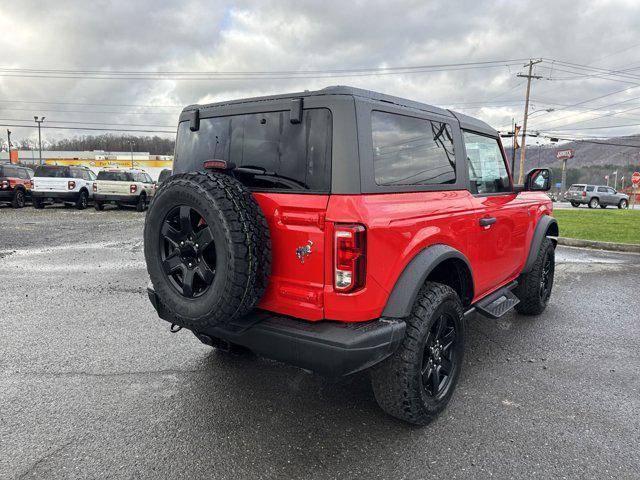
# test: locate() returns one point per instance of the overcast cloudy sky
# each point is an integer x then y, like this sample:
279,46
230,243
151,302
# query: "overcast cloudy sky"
294,35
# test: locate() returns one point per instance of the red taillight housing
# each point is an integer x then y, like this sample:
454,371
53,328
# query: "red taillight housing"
584,194
71,185
133,188
5,184
350,257
95,187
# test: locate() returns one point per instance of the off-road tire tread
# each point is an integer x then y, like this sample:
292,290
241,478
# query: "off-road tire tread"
528,287
396,384
14,200
79,205
246,226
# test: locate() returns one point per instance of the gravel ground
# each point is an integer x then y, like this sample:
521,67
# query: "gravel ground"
93,385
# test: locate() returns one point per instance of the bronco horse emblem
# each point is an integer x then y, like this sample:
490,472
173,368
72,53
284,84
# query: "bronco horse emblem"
304,251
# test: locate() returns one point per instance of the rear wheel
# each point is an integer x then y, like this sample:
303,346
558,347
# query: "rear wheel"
575,204
99,206
142,202
623,204
594,203
416,383
83,200
19,199
38,203
534,287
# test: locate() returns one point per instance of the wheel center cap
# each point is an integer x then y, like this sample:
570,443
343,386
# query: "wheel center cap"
188,252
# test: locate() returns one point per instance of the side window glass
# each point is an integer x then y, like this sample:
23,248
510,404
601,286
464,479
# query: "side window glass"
411,151
612,191
487,170
602,189
589,189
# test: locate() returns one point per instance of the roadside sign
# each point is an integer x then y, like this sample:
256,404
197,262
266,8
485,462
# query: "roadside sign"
564,154
635,179
558,184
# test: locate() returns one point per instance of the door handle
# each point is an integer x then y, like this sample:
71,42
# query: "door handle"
485,222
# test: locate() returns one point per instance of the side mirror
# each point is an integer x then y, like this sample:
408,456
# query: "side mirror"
538,180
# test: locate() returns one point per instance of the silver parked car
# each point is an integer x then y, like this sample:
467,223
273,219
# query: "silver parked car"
596,196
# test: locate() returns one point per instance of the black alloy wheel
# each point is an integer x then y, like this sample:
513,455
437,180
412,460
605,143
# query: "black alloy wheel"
546,277
188,255
439,357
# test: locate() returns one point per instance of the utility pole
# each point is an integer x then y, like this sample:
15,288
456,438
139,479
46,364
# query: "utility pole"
39,122
529,76
131,150
9,142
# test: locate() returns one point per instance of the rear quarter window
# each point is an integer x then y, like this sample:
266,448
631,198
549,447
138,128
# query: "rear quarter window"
292,156
411,151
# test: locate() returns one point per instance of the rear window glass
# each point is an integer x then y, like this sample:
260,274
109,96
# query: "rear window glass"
590,189
52,171
411,151
115,176
577,188
287,156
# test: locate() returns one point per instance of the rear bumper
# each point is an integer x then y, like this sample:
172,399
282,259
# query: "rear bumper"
334,349
56,196
105,198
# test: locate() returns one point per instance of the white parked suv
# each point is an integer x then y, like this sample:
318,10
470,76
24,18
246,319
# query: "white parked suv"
62,184
123,187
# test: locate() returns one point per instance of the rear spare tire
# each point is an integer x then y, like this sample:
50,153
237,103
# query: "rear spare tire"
207,248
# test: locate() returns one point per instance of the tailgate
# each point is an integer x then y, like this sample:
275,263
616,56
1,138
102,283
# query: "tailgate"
50,184
110,187
297,227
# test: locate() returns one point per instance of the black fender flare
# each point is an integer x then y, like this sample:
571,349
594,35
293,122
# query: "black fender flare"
414,275
547,226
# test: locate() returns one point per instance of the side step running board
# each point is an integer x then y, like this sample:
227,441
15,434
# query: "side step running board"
498,303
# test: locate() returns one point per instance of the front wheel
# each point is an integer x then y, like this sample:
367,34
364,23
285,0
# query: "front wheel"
534,287
416,383
624,204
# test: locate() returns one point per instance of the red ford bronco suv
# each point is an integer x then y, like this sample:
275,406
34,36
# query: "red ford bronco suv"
343,230
15,184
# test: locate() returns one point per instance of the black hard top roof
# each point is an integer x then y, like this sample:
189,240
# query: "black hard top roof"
465,120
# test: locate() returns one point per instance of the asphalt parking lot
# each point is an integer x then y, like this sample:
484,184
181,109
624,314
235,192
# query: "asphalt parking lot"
93,385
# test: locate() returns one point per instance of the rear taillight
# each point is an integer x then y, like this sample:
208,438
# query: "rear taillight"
95,187
31,184
133,188
5,184
584,194
71,184
350,257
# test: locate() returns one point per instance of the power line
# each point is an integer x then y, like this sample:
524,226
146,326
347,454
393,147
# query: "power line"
90,128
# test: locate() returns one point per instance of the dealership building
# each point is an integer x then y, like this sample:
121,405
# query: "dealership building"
96,160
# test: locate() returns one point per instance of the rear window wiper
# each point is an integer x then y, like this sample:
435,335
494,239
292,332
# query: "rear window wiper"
258,171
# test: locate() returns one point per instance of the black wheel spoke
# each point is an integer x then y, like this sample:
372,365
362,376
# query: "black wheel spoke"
446,366
204,238
448,339
205,273
172,263
185,220
171,233
439,327
426,374
435,381
187,282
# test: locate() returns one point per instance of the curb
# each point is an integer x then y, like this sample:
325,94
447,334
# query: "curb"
613,247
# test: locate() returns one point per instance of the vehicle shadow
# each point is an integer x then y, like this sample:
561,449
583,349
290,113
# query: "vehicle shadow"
294,419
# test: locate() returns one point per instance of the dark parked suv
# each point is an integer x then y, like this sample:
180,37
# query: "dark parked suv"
15,184
342,230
